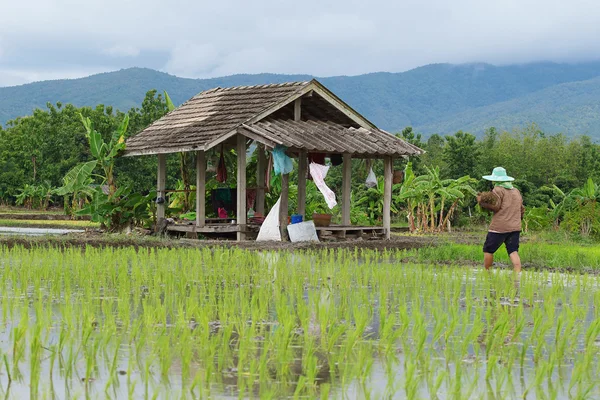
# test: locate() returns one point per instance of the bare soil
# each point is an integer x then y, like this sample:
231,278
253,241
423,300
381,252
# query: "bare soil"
96,239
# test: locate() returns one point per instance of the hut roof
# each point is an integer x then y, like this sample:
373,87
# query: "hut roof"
265,113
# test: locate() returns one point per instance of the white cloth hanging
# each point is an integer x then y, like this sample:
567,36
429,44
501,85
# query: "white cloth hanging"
318,173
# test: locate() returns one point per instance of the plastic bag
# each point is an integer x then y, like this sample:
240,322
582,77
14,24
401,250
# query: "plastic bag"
282,163
371,179
269,230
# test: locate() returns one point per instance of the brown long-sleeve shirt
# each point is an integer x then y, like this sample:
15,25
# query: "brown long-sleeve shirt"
508,210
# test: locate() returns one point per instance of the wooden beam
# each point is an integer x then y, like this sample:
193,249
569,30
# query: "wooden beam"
161,181
343,107
298,109
302,170
346,188
218,228
254,134
241,185
283,206
387,196
261,169
200,188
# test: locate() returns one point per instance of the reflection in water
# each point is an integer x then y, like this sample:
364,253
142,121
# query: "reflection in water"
123,324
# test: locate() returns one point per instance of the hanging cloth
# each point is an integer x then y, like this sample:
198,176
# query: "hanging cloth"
250,198
336,159
318,173
268,173
282,163
221,169
318,158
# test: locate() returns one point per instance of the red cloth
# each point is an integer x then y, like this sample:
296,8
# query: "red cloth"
268,173
250,198
318,158
221,169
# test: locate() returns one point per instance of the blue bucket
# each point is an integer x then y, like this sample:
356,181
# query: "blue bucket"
296,218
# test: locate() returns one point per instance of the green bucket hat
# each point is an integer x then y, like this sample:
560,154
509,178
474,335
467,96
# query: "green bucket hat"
499,175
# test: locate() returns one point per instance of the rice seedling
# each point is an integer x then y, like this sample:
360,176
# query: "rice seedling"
173,323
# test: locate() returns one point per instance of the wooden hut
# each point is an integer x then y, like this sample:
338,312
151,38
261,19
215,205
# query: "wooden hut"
304,117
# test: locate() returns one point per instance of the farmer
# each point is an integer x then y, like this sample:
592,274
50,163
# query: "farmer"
506,221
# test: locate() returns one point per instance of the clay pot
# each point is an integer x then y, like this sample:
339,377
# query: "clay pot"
398,176
321,219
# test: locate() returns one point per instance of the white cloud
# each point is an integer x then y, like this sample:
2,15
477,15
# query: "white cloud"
14,77
191,59
120,50
200,38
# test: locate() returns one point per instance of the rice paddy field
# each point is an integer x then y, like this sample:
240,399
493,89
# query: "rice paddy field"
231,323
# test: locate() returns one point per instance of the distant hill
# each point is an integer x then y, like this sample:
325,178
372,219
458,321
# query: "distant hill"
437,98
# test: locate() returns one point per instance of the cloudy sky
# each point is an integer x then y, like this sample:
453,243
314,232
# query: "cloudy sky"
51,39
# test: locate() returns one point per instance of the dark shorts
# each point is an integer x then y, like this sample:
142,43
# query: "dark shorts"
493,241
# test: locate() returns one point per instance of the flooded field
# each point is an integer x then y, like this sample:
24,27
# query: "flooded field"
27,231
182,323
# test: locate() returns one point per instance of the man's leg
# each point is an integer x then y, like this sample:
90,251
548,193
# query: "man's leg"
516,261
488,260
493,241
512,247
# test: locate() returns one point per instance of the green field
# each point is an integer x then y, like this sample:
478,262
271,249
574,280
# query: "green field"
37,223
189,323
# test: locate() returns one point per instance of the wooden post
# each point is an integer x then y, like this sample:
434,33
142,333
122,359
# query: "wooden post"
346,189
161,181
241,187
387,196
302,164
297,109
283,206
301,181
260,180
200,188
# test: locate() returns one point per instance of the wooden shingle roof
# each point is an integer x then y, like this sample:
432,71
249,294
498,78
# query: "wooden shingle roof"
265,113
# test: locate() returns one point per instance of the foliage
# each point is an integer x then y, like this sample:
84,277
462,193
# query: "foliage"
461,154
77,185
372,203
121,209
35,196
430,200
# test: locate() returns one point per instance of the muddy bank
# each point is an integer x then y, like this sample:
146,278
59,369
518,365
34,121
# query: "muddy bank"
94,239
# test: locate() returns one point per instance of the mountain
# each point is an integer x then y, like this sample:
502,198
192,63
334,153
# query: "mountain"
572,108
437,98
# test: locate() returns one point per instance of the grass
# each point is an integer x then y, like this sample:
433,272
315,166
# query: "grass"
198,323
21,210
74,224
534,255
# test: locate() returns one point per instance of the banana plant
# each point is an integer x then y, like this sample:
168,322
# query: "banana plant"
455,191
373,201
77,184
105,153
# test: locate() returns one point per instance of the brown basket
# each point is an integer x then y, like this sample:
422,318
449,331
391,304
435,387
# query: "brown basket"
321,219
398,177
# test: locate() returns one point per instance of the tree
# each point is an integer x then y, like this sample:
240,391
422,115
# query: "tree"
462,154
